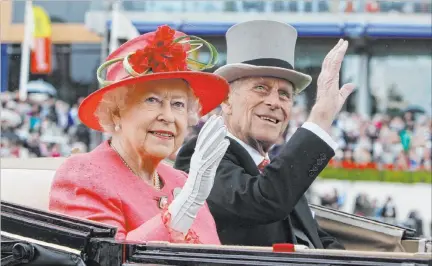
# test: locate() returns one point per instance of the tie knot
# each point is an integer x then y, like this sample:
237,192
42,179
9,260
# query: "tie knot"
263,164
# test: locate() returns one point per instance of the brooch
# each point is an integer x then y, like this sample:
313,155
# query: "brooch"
163,202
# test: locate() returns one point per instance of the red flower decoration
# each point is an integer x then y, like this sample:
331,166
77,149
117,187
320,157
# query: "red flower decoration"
162,54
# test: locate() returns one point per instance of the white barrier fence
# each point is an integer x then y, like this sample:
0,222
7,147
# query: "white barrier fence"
406,197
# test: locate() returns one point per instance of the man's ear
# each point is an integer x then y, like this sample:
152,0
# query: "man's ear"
226,107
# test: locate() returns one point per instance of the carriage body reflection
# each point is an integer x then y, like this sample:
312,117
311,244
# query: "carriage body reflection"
31,234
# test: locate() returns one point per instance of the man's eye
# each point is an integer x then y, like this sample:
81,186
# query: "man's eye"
179,104
284,94
260,87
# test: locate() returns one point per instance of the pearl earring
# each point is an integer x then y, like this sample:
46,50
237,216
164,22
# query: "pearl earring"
117,128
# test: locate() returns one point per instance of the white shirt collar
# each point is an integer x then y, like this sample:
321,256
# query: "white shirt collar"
256,156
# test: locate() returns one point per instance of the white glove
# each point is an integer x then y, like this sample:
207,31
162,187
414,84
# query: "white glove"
210,148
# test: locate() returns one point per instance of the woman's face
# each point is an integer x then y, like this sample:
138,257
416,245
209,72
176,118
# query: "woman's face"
155,120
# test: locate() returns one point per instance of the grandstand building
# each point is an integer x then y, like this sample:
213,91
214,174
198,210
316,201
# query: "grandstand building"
389,55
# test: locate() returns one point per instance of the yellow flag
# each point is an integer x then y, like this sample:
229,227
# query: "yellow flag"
41,57
42,23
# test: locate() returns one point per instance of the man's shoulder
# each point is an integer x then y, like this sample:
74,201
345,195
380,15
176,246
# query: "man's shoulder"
182,162
184,155
188,148
236,151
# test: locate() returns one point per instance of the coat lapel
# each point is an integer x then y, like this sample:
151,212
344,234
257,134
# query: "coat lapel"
304,216
246,161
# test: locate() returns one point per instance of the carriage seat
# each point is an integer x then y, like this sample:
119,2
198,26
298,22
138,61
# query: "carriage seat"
27,182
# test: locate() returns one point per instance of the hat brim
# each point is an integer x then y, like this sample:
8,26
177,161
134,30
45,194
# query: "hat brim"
232,72
211,90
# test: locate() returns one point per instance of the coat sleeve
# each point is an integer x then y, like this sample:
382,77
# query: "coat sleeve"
78,191
240,198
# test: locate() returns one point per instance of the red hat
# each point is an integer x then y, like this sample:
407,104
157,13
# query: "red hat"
162,54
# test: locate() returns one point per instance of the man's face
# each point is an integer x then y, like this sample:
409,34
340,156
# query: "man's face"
258,110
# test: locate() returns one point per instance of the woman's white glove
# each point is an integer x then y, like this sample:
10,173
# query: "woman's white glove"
210,148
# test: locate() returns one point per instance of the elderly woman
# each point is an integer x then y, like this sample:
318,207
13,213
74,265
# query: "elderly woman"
148,104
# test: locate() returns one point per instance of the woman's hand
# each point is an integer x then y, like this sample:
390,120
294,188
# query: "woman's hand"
209,150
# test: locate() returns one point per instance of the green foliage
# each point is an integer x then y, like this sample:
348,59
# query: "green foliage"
376,175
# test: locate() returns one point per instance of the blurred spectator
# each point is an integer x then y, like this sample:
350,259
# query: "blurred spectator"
388,211
415,222
362,205
334,201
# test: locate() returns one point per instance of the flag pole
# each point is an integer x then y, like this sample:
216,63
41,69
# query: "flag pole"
97,137
114,42
114,9
104,43
25,50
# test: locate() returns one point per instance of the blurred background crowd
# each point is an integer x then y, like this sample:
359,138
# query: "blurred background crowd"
369,206
40,128
401,142
347,6
49,127
386,124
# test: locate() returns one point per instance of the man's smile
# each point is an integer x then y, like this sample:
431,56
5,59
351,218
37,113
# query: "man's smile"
268,118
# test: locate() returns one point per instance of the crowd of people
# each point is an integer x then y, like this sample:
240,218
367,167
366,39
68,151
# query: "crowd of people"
40,126
400,142
364,205
308,6
50,128
367,206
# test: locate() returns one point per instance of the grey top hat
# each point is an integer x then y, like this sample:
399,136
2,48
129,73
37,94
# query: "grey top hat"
262,48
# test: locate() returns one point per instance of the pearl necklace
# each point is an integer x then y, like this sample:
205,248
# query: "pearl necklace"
155,178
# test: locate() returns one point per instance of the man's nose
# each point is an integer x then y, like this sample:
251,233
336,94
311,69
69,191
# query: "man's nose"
273,100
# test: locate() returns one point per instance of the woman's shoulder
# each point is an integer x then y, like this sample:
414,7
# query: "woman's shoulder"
83,164
83,175
88,158
76,160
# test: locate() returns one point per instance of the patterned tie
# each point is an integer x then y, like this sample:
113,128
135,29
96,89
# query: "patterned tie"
263,164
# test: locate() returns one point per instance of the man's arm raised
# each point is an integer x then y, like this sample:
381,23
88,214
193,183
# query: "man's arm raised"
240,198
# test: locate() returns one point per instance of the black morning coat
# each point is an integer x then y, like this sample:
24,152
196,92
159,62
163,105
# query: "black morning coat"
256,209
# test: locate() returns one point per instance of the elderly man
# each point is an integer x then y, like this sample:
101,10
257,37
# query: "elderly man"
254,201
